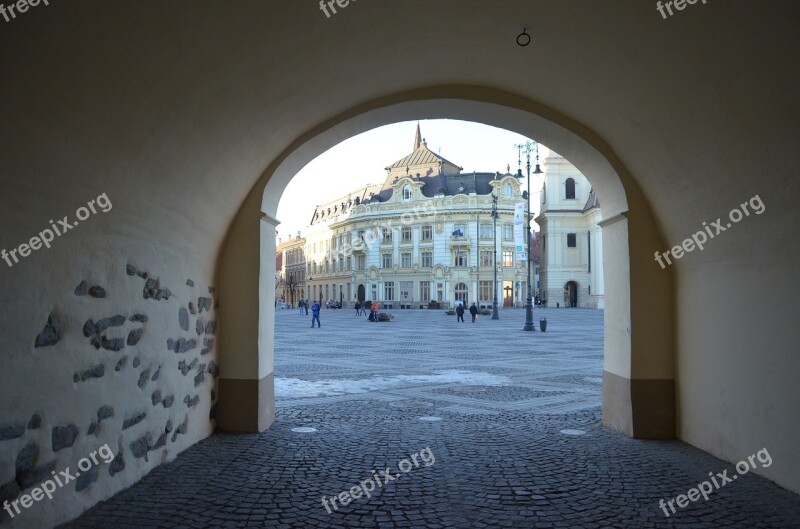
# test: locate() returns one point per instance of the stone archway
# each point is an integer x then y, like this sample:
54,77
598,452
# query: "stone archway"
638,379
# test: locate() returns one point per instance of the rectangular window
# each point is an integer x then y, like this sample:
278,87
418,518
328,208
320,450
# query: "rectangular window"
387,235
486,291
405,259
386,260
361,262
424,290
427,233
406,234
388,291
460,258
508,231
440,292
486,231
406,288
427,259
487,257
508,257
460,230
572,240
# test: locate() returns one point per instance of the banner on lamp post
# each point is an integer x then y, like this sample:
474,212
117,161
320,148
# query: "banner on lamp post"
519,231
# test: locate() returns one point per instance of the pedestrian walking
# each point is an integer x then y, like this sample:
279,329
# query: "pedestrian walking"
302,305
473,310
460,313
315,315
358,308
375,308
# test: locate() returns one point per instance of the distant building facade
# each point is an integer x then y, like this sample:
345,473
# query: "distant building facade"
290,262
571,267
426,234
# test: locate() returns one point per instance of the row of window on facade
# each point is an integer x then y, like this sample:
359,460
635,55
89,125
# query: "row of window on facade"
405,291
460,258
486,231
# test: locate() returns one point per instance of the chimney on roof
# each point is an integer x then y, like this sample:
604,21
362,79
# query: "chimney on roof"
298,234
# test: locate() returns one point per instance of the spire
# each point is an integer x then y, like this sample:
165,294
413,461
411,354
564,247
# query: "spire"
417,138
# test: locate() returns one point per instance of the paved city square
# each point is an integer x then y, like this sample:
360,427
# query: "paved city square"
478,425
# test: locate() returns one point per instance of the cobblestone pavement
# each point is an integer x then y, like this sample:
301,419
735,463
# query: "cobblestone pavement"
491,404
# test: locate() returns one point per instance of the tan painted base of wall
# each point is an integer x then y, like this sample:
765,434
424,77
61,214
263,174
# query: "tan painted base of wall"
639,408
246,405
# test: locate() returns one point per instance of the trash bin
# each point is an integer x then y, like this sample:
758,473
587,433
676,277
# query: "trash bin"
543,324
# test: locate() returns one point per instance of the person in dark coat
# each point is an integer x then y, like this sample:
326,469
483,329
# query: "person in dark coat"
473,310
460,312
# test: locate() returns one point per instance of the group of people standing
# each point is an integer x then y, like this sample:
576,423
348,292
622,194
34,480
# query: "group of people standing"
374,308
303,304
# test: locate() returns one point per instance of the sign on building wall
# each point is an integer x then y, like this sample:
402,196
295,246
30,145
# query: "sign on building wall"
519,230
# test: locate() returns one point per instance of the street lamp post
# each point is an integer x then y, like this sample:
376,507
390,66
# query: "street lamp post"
529,326
495,315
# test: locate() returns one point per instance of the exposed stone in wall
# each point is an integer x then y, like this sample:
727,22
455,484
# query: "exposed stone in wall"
189,283
208,344
86,478
97,292
136,361
64,436
203,304
141,446
155,398
11,432
156,374
201,375
92,428
32,477
94,372
181,429
26,459
184,368
183,318
113,344
143,377
211,327
134,336
191,402
214,370
161,441
130,270
136,419
117,464
35,422
168,401
152,290
104,412
139,318
81,289
51,333
191,308
211,290
122,363
199,327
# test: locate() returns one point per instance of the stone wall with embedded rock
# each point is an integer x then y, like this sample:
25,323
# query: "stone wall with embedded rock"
124,358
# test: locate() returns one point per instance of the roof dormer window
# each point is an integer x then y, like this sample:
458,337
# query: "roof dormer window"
406,193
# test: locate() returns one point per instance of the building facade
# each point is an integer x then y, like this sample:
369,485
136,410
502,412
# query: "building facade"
426,234
571,267
290,261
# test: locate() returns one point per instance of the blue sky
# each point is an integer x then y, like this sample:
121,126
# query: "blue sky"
362,159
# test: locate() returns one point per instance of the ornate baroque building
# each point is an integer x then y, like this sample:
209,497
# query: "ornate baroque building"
571,268
425,234
290,264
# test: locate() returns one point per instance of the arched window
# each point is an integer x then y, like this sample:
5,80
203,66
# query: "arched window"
570,188
407,193
508,191
461,292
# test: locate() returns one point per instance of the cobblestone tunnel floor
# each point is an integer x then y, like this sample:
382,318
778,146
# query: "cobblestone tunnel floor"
478,425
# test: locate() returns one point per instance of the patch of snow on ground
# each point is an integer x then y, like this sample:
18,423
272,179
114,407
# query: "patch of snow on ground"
296,388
